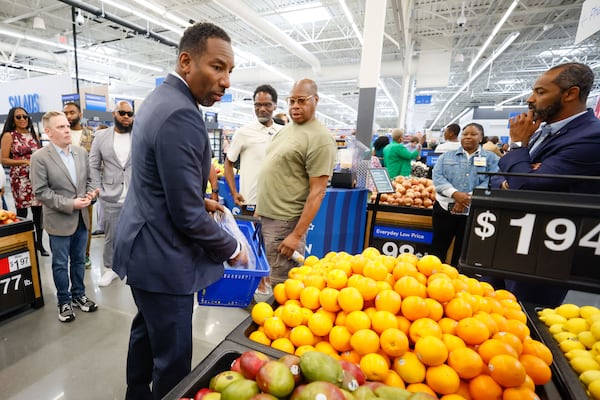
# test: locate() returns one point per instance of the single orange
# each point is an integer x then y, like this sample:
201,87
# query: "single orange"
394,380
339,337
325,347
329,299
448,325
350,299
410,286
260,312
301,335
511,313
438,275
500,321
357,320
519,393
452,342
518,328
488,289
389,262
284,345
311,260
351,356
502,294
538,349
436,310
424,327
493,347
345,265
507,370
293,287
374,366
429,264
414,307
329,314
408,257
292,315
510,338
309,297
463,390
259,337
442,379
483,387
431,350
336,278
536,369
279,293
409,367
403,268
388,300
357,263
460,285
474,286
320,324
375,270
367,287
488,320
304,349
382,320
449,270
420,387
371,252
466,362
274,328
393,342
472,331
441,290
403,323
458,309
365,341
495,305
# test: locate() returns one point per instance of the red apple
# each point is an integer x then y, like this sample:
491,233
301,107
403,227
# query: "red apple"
251,361
235,365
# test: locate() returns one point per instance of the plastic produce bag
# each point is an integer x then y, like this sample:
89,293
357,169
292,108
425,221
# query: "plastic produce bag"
228,223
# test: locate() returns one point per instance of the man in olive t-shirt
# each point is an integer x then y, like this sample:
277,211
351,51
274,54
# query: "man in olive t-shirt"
293,179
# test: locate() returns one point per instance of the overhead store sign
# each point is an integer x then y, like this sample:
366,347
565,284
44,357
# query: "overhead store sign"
95,102
39,94
589,21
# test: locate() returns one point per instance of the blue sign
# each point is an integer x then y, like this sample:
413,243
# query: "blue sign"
70,98
95,102
227,98
30,102
402,234
424,99
159,80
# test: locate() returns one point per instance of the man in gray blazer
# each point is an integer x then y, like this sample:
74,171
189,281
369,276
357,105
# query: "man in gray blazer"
61,181
110,168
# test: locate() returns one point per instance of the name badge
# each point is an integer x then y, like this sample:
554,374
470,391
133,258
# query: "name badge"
479,161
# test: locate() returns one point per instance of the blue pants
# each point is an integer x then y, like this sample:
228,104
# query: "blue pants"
68,263
160,344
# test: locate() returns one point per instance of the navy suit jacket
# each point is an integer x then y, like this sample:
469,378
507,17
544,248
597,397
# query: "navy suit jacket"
165,241
573,150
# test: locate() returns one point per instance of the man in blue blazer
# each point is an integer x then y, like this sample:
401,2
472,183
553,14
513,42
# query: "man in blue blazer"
557,136
167,243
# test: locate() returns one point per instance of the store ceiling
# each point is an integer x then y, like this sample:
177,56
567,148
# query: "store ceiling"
115,47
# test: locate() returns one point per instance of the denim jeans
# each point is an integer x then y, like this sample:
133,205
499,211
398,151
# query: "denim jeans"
68,263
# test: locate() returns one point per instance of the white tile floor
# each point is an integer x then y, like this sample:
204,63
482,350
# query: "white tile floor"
42,358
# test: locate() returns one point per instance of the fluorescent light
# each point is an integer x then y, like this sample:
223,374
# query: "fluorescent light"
459,116
494,32
302,15
513,98
489,61
144,16
389,96
350,19
252,58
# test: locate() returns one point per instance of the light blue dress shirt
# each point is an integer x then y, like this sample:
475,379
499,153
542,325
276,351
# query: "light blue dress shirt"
69,162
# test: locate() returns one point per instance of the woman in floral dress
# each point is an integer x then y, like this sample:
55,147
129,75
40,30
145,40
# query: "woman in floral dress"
19,141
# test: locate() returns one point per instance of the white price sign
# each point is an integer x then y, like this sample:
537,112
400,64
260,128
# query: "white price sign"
19,261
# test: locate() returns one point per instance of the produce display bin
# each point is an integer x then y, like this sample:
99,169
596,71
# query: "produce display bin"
237,287
241,332
219,360
564,378
20,283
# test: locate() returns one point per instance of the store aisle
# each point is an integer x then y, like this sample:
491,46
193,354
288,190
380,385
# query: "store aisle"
42,358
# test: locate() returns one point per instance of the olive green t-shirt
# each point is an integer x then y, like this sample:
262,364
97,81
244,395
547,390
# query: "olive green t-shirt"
297,153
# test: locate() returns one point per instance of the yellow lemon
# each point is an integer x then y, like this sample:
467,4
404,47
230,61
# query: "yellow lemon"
587,338
556,328
578,353
568,345
587,311
568,311
588,377
560,336
582,364
576,325
552,319
594,389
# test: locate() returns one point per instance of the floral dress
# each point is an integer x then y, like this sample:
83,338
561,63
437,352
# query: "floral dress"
22,147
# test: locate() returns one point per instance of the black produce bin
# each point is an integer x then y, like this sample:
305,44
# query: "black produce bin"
564,378
218,360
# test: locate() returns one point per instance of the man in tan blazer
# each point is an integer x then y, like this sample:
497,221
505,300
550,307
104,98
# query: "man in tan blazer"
61,181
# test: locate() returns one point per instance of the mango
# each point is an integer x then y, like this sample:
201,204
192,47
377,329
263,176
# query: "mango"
316,366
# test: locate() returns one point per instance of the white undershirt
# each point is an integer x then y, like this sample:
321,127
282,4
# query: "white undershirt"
76,137
122,147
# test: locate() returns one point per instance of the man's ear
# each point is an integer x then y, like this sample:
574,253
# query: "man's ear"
571,94
184,61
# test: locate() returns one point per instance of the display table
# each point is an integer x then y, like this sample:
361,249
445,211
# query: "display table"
19,272
339,224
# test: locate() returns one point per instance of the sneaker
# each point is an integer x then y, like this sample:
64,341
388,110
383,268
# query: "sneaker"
98,233
107,278
85,304
65,313
88,262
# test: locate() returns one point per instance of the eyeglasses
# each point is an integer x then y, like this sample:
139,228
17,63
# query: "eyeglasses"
22,116
265,105
300,100
122,113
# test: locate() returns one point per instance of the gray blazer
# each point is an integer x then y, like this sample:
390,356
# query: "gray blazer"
53,186
107,172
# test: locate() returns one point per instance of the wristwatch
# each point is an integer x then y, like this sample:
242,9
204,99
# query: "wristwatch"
215,190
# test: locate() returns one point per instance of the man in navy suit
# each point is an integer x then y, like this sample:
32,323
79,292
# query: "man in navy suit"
557,136
167,243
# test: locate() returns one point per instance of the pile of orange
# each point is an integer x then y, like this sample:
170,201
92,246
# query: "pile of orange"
412,323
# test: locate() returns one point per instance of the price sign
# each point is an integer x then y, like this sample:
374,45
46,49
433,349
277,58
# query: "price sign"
547,236
395,240
381,180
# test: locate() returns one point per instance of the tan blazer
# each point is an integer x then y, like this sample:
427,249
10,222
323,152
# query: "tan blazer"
53,186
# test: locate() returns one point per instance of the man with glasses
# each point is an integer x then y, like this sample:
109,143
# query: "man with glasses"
83,137
293,179
249,144
560,136
110,168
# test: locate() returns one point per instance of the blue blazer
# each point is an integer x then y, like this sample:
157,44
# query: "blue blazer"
165,241
573,150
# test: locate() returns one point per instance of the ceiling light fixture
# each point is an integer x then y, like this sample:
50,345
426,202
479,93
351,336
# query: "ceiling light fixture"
513,98
351,21
144,16
495,55
459,116
493,34
305,14
39,23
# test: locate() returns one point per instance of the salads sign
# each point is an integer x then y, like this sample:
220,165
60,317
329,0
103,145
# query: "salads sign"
30,102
